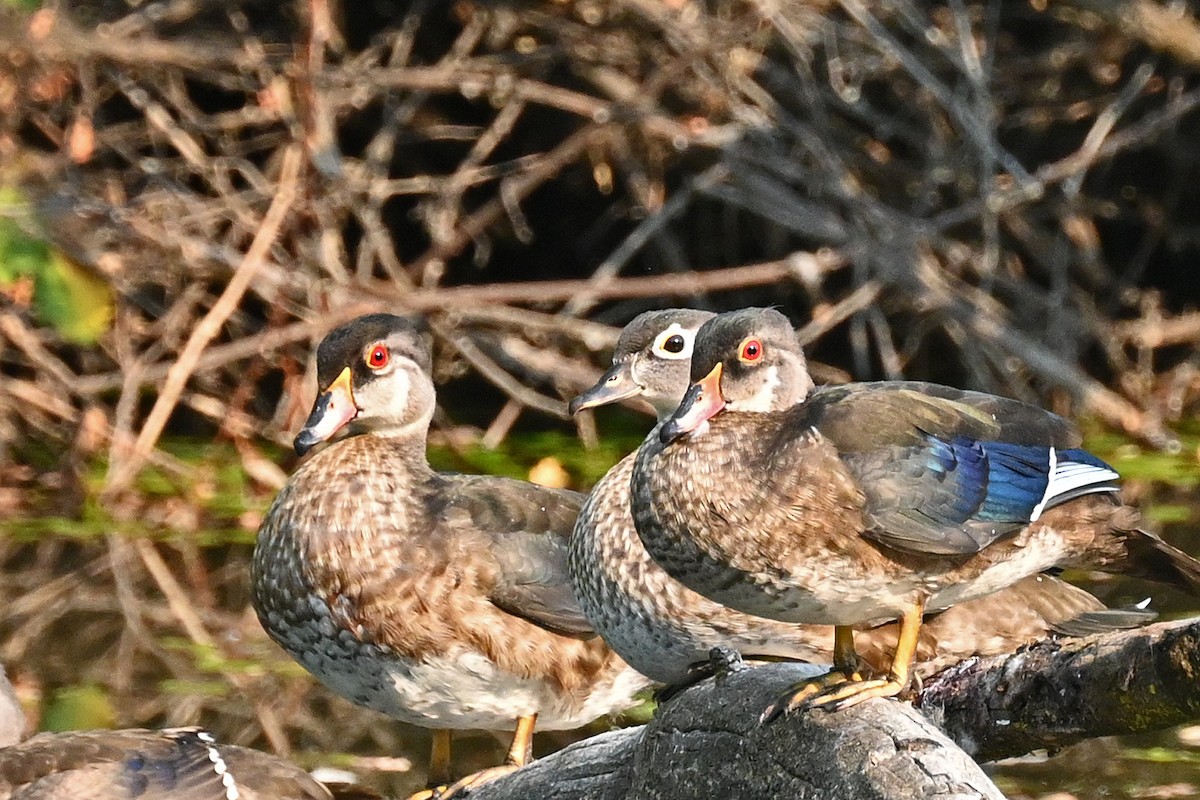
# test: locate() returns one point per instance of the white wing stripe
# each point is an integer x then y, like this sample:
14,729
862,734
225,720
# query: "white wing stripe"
1072,476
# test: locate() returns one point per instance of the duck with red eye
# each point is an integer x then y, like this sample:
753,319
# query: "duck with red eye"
439,599
765,384
855,504
360,384
666,631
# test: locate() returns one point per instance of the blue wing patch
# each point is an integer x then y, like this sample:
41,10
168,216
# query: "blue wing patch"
957,495
1025,480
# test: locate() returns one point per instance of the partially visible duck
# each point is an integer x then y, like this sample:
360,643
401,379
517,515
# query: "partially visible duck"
860,503
438,599
172,764
663,629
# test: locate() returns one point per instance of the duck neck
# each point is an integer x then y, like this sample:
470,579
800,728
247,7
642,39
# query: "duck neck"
409,448
663,408
408,438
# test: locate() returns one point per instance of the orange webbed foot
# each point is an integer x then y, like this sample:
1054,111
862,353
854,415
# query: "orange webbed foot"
843,687
473,781
806,692
432,793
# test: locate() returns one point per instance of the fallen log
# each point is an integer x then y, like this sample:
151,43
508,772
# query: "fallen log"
708,742
1055,693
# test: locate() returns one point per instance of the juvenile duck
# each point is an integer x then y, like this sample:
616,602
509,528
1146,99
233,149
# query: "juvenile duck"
441,600
663,629
861,503
172,764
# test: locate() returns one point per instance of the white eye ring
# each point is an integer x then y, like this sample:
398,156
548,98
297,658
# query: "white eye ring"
675,336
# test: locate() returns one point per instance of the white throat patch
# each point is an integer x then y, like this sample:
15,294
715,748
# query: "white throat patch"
765,399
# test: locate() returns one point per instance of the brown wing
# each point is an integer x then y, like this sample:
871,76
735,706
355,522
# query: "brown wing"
1030,609
860,417
944,471
179,764
527,528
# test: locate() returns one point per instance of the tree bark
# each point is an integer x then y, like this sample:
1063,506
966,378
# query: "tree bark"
708,742
1055,693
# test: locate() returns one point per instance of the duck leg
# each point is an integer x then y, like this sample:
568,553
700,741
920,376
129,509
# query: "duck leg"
855,691
520,753
696,674
722,662
844,687
845,657
845,670
439,759
439,767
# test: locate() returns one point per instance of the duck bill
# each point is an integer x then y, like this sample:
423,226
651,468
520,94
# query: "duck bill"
331,412
701,403
615,384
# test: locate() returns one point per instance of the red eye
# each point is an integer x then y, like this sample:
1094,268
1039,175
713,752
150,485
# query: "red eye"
751,350
378,357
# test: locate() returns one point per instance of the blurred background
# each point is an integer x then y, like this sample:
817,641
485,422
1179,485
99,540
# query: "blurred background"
999,195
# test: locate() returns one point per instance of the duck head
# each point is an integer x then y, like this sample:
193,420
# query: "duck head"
651,361
745,361
375,377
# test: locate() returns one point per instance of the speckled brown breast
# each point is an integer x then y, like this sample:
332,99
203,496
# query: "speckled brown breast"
654,622
387,592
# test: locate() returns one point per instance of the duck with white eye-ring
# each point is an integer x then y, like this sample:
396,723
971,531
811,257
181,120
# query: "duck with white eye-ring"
857,504
666,630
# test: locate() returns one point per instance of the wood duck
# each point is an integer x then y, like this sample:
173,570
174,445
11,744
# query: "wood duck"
861,503
438,599
663,629
172,764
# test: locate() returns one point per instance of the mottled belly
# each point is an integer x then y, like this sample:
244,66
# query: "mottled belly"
657,625
460,688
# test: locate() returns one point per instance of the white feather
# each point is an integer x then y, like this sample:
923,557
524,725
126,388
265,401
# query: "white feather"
1071,476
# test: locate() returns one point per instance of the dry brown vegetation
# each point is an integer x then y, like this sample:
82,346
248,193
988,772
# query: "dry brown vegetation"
1001,195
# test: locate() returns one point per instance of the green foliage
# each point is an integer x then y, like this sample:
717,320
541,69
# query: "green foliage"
1169,513
79,708
212,660
1163,755
34,529
20,254
520,451
217,687
640,714
76,302
1137,463
216,486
